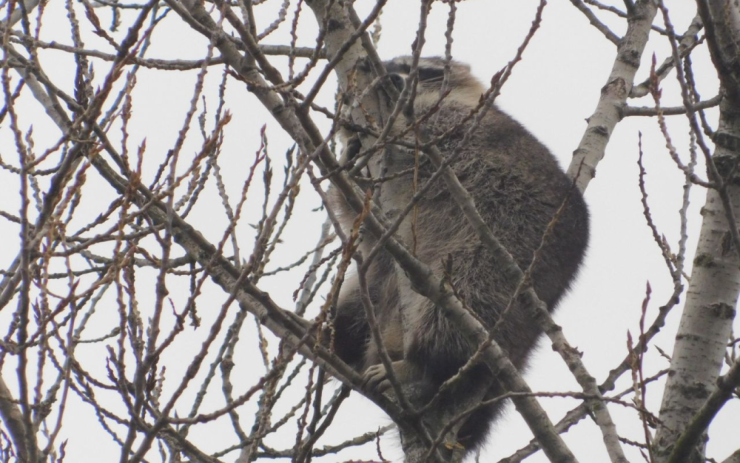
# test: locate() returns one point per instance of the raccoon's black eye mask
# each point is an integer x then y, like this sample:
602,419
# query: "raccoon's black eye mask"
425,73
431,74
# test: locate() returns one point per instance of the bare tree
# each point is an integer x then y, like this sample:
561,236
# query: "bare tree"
168,286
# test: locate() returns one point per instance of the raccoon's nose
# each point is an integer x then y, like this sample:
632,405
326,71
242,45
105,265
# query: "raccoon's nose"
397,80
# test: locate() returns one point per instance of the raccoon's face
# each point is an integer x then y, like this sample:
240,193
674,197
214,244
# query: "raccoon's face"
463,86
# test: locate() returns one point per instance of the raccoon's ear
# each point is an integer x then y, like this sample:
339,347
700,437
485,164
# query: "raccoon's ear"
456,66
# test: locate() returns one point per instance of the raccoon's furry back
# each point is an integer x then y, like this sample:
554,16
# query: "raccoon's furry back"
517,186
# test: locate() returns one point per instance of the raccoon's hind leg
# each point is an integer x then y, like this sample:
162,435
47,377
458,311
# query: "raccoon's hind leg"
350,329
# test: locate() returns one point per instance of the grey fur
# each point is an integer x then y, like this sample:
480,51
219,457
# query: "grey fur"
517,186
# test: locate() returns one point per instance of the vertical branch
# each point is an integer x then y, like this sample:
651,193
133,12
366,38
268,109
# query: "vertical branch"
706,322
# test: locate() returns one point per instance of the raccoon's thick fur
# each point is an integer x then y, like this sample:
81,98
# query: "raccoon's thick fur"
517,186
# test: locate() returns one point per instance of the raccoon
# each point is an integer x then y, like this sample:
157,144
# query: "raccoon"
517,186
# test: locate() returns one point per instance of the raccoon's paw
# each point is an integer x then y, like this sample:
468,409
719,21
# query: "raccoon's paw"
376,377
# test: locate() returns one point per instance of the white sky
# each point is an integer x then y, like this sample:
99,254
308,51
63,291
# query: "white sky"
552,91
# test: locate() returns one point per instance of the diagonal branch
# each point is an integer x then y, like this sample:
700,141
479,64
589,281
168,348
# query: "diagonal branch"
614,95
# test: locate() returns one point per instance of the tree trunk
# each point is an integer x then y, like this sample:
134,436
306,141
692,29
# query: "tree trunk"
706,323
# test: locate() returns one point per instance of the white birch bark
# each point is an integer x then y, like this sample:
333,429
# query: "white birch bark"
705,325
614,95
707,318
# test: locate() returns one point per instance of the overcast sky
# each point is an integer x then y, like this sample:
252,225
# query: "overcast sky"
551,92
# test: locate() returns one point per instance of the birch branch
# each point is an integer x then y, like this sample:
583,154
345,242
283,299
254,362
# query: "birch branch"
614,95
